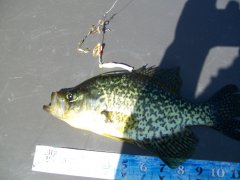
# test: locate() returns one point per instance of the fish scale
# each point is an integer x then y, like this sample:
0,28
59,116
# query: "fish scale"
168,106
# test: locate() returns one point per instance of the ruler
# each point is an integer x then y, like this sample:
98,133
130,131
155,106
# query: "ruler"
105,165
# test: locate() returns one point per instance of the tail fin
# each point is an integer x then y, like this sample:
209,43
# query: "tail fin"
226,105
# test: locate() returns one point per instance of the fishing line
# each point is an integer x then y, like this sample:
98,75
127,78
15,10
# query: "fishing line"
101,28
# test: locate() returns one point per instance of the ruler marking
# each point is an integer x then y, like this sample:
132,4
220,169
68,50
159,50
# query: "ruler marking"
122,166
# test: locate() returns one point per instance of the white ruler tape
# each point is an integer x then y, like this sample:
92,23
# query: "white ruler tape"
122,166
75,162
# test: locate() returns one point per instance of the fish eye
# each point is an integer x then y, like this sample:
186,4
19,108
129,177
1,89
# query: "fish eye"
69,96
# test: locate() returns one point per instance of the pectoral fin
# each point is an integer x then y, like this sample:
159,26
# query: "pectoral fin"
173,150
117,138
117,123
122,122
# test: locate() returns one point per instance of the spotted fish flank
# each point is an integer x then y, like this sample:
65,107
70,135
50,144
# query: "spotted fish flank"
145,107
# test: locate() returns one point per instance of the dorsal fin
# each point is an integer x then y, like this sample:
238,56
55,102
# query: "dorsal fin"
169,79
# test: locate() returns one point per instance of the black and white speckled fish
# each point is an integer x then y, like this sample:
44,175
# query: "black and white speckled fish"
145,107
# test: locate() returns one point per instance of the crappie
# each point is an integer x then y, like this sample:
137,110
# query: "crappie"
145,107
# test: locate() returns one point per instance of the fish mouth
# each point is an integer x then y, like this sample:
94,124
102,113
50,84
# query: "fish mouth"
47,108
57,105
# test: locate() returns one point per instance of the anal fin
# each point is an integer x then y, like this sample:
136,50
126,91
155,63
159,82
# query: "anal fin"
174,149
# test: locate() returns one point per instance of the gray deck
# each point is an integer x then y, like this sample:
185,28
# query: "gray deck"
38,55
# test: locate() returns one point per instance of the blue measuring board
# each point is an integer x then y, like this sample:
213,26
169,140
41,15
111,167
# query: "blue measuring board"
104,165
151,168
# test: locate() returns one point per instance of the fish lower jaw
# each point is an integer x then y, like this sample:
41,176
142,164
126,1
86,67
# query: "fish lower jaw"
46,108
